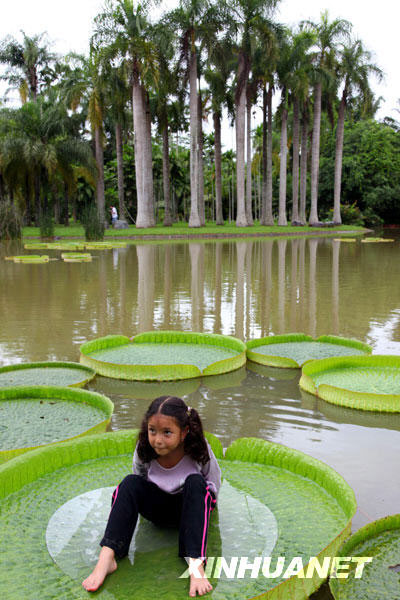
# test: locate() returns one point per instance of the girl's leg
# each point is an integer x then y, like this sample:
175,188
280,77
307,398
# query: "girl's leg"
132,497
198,502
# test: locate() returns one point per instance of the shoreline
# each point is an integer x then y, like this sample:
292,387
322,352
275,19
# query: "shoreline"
324,232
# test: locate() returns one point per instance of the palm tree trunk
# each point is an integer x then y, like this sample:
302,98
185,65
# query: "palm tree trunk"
98,140
241,220
337,219
2,191
120,170
148,171
315,154
143,167
138,119
295,169
28,197
36,183
66,205
194,219
303,166
249,212
218,176
166,171
269,217
200,159
264,161
57,204
282,171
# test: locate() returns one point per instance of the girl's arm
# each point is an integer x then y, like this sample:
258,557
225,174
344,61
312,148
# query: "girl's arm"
212,472
139,467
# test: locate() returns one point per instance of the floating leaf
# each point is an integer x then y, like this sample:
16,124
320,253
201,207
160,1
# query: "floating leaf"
364,382
46,373
39,415
163,355
294,349
270,500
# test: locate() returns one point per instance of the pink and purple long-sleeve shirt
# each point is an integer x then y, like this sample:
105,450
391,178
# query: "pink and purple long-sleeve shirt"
172,479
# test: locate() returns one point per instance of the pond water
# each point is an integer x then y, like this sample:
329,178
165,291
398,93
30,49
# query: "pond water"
246,288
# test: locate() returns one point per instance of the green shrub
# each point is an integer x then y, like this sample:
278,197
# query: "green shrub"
350,213
92,224
371,219
46,226
10,221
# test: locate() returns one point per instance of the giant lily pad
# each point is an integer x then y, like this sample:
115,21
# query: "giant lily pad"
60,245
46,373
30,258
378,579
76,257
294,349
163,355
364,382
269,502
39,415
375,240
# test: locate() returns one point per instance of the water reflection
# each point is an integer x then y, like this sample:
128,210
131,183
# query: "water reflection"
245,288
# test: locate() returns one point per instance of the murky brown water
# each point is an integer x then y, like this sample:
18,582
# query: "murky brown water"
247,289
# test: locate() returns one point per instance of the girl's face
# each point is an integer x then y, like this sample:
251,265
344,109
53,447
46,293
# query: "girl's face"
164,434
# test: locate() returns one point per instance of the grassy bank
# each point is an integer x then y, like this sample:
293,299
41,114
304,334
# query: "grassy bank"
183,230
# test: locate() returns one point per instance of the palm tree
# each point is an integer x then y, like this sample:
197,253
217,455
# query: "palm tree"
83,84
194,19
354,68
251,97
122,31
263,70
117,95
328,35
251,17
163,37
299,89
304,160
29,64
217,74
39,148
284,72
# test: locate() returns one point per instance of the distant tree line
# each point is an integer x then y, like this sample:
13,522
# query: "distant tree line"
124,124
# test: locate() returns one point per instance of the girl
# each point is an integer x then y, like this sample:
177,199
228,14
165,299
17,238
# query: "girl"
175,482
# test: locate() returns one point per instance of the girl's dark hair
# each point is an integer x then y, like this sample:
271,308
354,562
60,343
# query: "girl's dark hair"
194,444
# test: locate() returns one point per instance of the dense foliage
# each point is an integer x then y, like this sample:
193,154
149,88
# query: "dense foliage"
73,143
10,221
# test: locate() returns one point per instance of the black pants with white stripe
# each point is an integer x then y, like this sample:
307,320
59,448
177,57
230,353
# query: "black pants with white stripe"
188,510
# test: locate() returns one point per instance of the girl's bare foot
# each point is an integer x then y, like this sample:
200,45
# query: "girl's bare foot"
105,565
199,585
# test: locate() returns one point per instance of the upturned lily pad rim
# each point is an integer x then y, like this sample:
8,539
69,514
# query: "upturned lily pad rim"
290,363
29,467
49,392
31,258
90,373
160,372
375,240
363,534
343,396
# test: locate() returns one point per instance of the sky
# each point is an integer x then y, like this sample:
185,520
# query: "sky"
69,26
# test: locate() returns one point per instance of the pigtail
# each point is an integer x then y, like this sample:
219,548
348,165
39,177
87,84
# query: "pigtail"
195,444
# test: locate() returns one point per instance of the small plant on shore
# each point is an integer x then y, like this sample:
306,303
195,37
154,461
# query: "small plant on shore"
92,224
46,226
10,221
